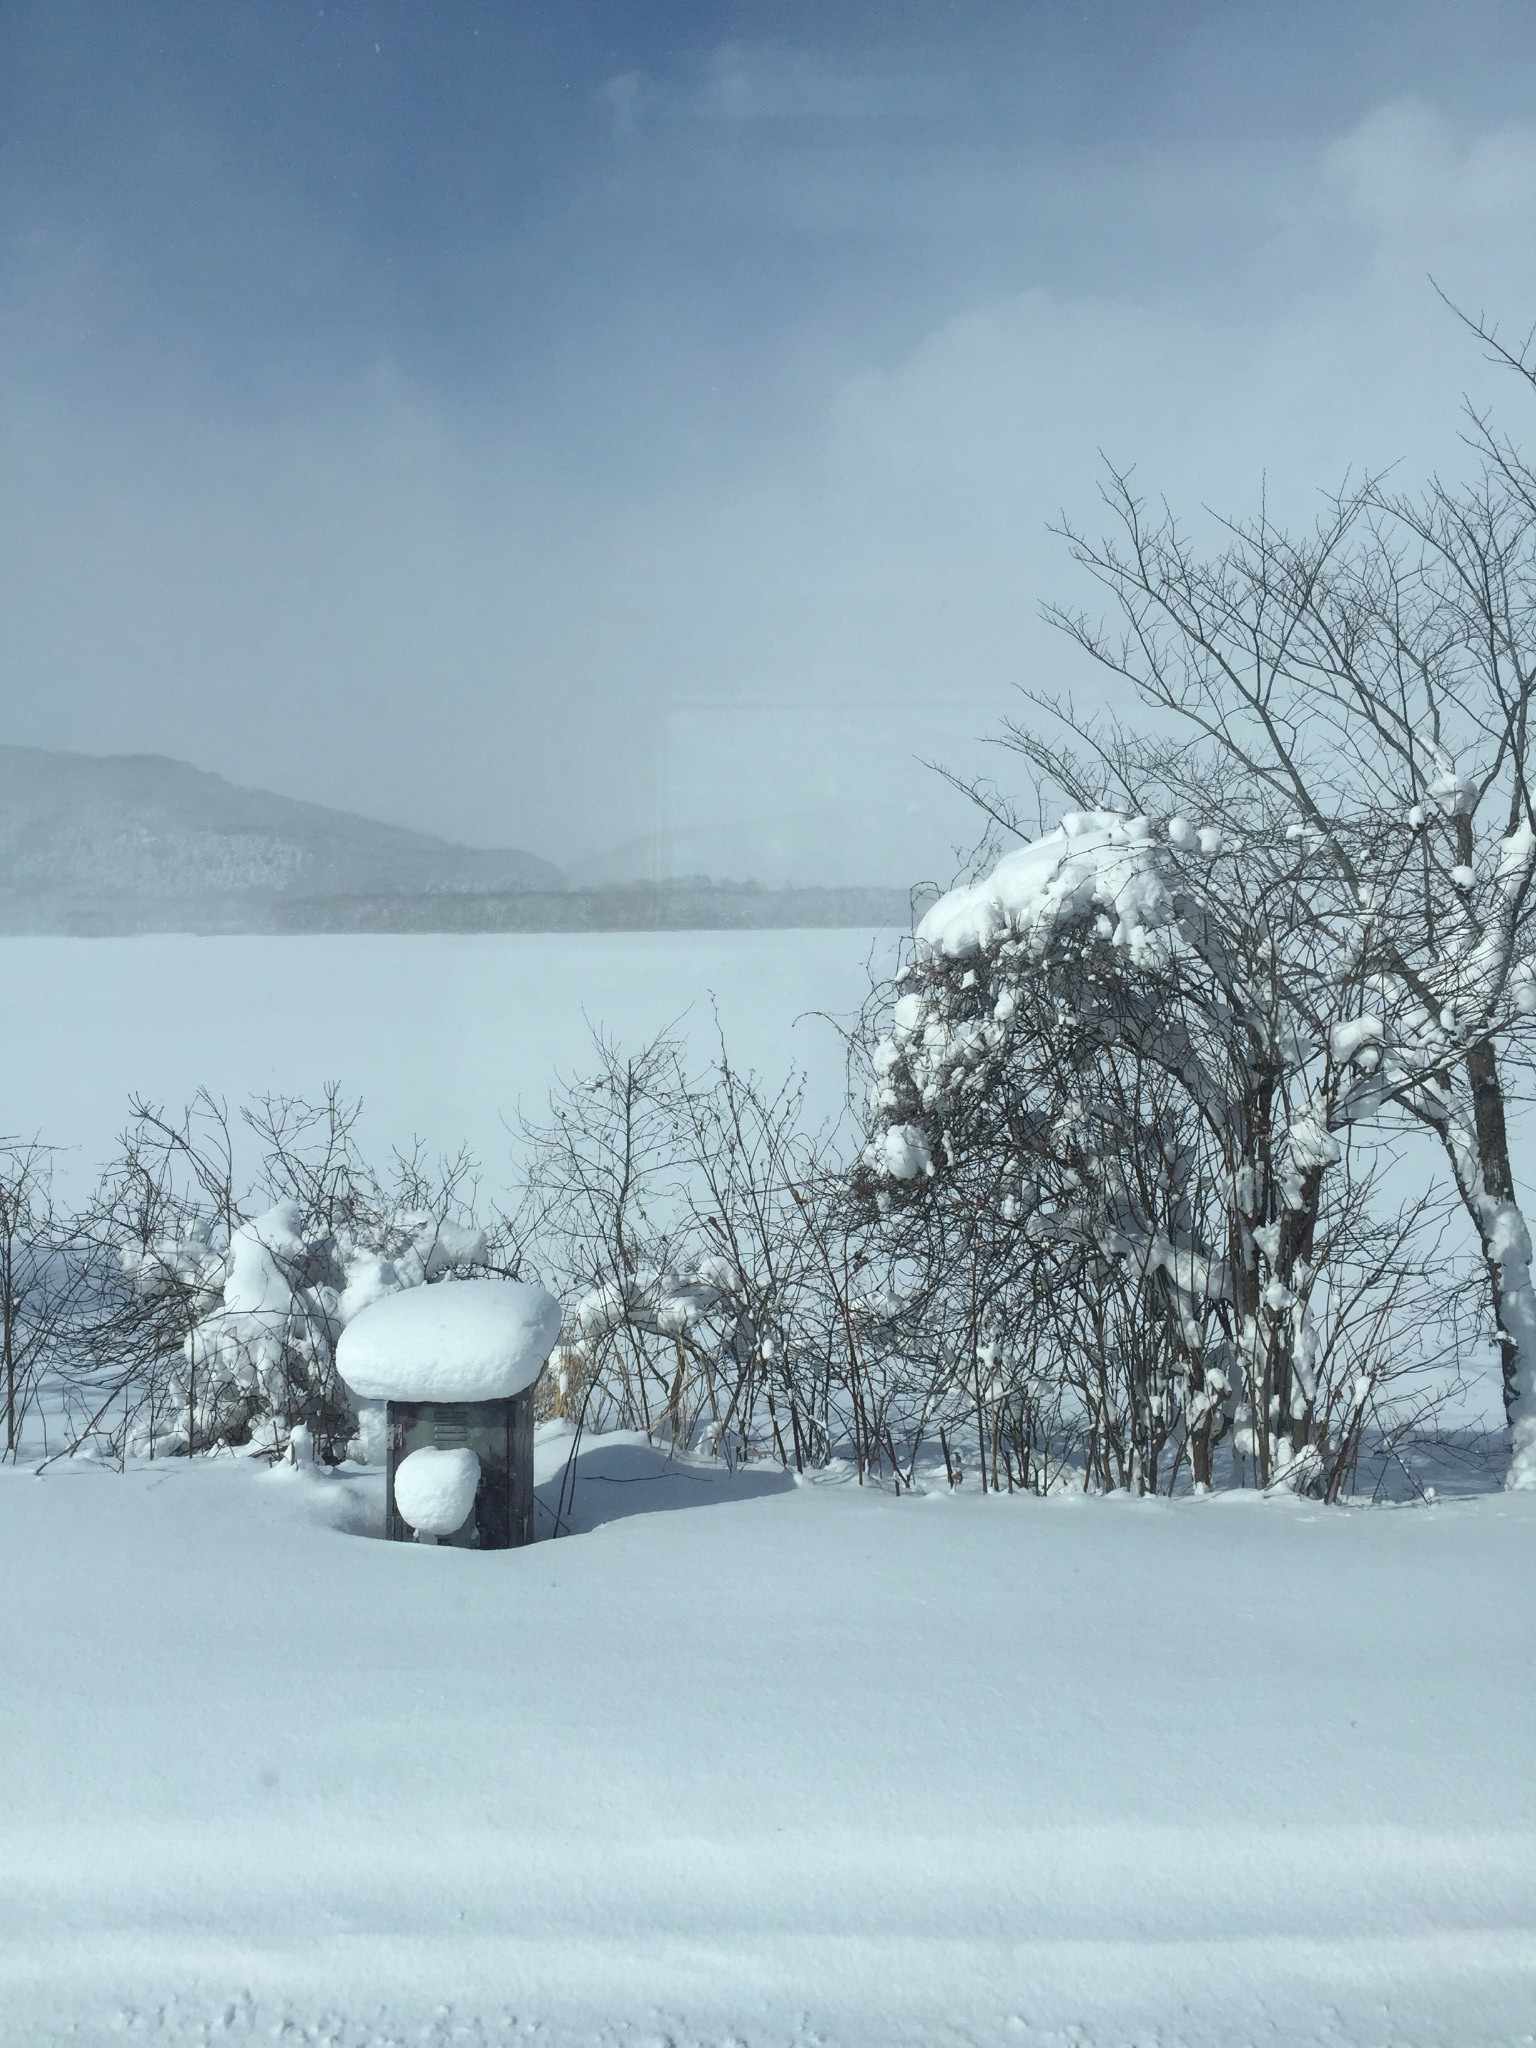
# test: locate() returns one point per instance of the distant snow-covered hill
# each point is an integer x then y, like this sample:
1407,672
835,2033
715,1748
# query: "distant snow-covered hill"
108,832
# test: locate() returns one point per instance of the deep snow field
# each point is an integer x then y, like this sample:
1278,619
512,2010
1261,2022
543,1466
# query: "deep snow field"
745,1760
736,1759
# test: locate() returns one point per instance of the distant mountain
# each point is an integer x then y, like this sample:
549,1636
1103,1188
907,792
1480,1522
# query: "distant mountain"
127,838
102,844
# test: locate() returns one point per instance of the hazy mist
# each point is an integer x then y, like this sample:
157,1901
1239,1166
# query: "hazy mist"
637,427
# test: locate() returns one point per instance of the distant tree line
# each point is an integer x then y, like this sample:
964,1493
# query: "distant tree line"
686,905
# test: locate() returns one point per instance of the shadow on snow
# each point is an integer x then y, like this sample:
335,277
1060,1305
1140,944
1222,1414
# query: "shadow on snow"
614,1477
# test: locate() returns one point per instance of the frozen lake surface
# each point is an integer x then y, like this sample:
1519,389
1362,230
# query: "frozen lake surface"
442,1036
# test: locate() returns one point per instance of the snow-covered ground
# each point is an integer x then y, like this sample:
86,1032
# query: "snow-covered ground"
441,1036
737,1759
745,1760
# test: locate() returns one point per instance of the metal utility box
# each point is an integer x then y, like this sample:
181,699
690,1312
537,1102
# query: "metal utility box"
500,1433
455,1364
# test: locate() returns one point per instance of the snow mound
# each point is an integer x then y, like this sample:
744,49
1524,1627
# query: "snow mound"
1096,863
256,1284
1454,793
459,1340
435,1490
903,1152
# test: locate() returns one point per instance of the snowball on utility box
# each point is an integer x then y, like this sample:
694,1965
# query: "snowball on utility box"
456,1364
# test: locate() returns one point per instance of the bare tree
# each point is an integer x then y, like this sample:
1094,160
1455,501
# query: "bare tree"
46,1282
723,1296
1364,690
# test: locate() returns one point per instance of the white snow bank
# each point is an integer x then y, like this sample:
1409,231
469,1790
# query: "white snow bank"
460,1340
409,1797
1097,863
435,1489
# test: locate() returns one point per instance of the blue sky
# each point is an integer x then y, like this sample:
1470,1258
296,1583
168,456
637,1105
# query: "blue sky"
577,425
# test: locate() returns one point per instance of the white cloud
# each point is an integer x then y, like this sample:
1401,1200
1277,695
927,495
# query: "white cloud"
762,82
625,96
1405,171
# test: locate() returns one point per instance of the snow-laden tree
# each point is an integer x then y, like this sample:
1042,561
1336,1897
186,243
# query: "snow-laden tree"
1126,1072
1367,688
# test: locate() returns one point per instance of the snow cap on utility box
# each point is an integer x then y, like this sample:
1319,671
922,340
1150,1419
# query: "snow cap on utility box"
459,1340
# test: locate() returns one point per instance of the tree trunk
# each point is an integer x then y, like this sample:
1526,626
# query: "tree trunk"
1504,1238
1478,1147
1498,1187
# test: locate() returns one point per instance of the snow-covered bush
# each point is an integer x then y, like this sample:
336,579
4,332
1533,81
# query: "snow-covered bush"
698,1228
219,1324
264,1312
1113,1111
47,1286
1057,1253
